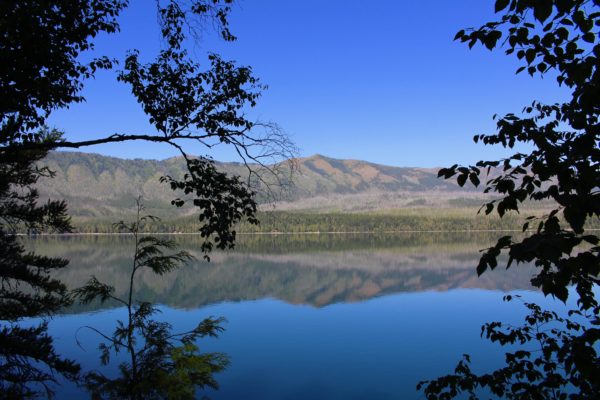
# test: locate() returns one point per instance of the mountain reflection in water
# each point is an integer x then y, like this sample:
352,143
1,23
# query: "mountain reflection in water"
317,269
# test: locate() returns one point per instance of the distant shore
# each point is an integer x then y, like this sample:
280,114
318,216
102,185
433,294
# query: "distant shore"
284,233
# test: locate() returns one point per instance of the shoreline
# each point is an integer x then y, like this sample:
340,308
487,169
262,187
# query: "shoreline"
286,233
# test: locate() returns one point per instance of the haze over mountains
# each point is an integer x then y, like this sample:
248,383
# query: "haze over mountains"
97,186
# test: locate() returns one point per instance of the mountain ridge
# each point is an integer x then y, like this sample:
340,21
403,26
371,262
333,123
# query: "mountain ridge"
95,185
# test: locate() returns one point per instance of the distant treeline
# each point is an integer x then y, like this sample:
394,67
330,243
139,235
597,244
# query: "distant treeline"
447,220
401,243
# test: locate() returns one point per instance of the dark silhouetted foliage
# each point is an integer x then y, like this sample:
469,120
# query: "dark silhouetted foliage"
161,364
40,72
27,289
555,359
40,48
222,201
558,39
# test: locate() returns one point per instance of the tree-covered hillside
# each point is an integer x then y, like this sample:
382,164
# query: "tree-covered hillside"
98,186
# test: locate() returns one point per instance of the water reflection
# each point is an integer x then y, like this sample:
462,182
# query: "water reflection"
310,316
300,269
162,364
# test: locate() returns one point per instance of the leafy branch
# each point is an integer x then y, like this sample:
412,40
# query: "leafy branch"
161,364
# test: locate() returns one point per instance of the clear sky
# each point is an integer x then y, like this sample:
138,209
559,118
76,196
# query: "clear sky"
378,81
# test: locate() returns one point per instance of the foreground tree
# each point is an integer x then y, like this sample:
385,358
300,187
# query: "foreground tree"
26,286
559,39
161,364
41,44
184,101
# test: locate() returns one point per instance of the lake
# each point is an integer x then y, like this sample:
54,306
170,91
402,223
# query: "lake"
330,316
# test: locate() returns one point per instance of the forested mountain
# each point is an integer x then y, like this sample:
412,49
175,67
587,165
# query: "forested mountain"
96,185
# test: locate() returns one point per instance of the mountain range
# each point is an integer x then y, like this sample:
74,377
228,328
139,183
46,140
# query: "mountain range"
96,186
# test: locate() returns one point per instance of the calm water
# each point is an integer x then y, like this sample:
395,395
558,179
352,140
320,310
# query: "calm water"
314,316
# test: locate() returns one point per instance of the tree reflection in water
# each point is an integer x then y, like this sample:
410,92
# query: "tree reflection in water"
160,364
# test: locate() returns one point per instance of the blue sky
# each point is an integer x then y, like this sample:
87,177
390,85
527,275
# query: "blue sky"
378,81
